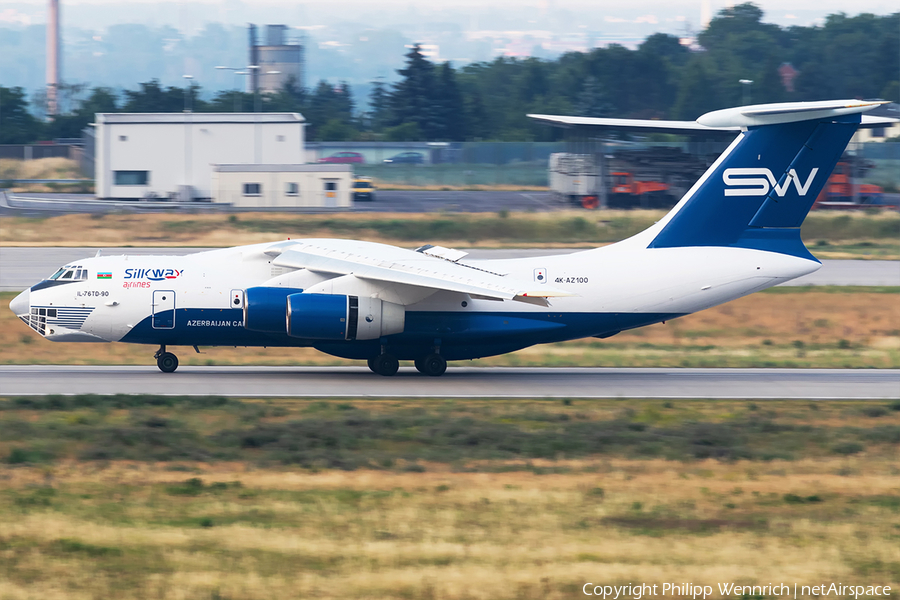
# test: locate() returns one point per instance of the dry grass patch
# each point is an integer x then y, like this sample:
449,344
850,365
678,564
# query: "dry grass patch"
78,531
830,236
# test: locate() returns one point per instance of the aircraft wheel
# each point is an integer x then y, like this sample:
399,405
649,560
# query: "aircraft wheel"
420,365
433,365
371,363
167,362
386,364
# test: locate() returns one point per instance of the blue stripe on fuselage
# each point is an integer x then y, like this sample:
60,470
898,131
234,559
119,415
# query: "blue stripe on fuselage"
460,334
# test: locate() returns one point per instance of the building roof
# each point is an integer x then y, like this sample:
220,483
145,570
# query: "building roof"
198,118
305,168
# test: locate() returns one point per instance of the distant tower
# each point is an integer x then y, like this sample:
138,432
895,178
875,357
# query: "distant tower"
279,58
53,58
705,14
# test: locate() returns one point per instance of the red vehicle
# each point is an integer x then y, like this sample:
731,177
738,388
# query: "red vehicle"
344,157
627,192
843,192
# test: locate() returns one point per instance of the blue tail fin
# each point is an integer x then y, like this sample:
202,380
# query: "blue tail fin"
760,190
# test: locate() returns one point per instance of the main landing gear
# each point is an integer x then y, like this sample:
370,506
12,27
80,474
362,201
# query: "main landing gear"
384,364
166,361
432,365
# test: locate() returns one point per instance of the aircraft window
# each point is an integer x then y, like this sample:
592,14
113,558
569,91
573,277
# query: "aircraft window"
78,274
42,312
51,312
68,275
58,273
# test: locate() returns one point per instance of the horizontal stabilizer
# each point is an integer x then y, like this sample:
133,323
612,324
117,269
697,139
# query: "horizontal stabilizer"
785,112
640,125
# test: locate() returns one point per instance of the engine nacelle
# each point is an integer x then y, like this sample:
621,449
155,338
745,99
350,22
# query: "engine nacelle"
264,308
338,317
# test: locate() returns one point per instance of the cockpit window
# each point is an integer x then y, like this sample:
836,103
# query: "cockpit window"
68,274
57,274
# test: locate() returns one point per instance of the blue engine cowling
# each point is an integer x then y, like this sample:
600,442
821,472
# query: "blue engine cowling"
265,308
339,317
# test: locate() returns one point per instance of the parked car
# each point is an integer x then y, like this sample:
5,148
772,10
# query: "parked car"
363,189
407,158
344,157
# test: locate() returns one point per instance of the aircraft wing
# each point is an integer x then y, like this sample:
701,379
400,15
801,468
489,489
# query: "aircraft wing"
380,262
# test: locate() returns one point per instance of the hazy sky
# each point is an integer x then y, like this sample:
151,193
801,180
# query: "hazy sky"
188,15
347,40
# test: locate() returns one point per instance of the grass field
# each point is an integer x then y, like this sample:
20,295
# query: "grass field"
782,327
43,168
841,235
149,497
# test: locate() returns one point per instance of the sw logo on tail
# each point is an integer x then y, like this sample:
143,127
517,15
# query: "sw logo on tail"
756,186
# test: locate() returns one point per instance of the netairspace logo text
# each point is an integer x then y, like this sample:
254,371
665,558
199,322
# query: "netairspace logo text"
642,590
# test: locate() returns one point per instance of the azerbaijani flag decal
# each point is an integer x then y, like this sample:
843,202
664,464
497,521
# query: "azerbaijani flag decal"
102,275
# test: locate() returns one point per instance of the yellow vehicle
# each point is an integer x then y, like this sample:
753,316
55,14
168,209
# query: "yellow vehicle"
363,189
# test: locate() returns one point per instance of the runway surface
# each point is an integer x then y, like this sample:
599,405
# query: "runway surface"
458,382
43,205
23,267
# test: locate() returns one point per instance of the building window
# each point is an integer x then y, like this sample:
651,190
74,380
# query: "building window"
131,177
252,189
878,132
280,138
330,186
123,138
292,189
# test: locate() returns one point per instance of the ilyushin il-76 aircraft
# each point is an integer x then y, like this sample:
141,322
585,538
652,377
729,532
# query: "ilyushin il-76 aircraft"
736,231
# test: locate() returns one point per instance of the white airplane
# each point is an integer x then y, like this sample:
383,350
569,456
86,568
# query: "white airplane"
736,231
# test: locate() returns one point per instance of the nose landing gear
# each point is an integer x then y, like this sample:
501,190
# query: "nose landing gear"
166,361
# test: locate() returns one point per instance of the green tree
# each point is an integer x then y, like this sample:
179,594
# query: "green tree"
379,106
151,97
696,94
450,123
412,99
100,100
337,130
593,101
17,125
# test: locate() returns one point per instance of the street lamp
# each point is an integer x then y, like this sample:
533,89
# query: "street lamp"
187,92
746,83
236,71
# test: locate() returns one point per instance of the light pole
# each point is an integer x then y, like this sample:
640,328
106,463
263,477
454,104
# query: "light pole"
188,84
746,83
257,100
188,93
236,71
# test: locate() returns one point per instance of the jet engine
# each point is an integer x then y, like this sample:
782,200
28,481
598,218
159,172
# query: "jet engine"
339,317
320,316
264,308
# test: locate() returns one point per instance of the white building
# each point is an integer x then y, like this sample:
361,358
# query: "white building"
171,155
283,186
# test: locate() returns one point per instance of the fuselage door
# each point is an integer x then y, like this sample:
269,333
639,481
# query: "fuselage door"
163,309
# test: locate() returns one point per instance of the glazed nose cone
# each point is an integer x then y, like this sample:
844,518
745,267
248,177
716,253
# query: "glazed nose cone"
21,304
